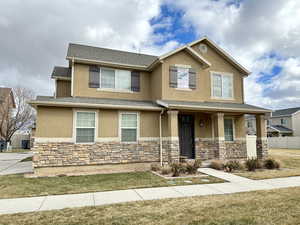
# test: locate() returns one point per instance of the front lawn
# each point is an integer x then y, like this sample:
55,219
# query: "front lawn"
290,160
276,207
13,186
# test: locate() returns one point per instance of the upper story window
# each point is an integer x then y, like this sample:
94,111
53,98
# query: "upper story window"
222,85
182,77
105,78
283,121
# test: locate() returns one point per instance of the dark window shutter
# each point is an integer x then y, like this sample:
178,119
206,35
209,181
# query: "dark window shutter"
94,77
135,81
192,78
173,77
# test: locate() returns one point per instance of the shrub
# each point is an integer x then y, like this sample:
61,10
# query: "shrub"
178,168
155,167
197,163
233,165
217,165
253,164
271,164
166,170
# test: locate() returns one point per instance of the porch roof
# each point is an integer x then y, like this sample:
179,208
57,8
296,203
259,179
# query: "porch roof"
94,103
212,106
280,129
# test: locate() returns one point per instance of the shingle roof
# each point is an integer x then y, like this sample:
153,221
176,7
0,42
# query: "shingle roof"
212,105
97,102
285,112
281,128
60,71
109,55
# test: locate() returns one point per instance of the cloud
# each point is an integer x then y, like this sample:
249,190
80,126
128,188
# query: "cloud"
34,36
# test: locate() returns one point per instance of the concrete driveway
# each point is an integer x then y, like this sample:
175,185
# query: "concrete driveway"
10,163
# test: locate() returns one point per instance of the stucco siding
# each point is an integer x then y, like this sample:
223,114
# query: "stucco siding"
108,123
203,77
81,86
277,121
149,124
54,122
156,83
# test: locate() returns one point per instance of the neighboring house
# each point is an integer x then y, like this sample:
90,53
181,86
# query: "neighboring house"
285,122
282,122
20,140
120,111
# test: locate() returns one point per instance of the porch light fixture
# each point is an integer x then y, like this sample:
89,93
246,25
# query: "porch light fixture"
201,123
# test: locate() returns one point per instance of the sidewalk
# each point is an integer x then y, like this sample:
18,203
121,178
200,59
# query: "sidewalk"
236,184
10,163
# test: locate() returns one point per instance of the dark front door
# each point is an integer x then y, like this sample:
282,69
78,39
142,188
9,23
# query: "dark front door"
186,136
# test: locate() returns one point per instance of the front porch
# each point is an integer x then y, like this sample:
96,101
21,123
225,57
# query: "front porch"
208,135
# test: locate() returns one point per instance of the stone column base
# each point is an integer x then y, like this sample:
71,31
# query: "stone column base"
262,148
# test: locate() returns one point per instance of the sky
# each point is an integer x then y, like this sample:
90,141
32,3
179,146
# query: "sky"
263,35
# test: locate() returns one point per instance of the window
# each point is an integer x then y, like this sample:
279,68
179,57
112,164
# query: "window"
249,124
283,121
222,85
85,127
228,129
182,77
115,79
129,125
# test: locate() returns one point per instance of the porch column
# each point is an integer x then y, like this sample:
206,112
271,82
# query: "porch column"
173,139
219,135
261,137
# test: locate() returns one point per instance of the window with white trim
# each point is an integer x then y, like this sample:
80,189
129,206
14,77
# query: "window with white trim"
115,79
85,127
182,77
129,127
228,129
283,121
222,85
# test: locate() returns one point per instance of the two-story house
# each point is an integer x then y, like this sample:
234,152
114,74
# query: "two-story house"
120,111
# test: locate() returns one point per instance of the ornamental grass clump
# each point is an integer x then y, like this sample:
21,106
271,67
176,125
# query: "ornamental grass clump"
253,164
217,165
271,164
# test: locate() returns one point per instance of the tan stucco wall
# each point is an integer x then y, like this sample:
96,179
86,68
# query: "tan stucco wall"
156,83
63,88
58,122
54,122
81,88
108,123
203,85
149,124
240,129
205,130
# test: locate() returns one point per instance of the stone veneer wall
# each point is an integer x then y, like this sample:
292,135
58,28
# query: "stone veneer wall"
262,148
173,150
236,149
208,149
70,154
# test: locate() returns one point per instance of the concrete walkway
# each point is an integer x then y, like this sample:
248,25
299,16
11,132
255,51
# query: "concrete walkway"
236,184
10,163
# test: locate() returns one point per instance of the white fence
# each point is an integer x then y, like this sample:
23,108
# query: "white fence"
284,142
251,146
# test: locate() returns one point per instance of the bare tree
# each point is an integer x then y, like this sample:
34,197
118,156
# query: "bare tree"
15,113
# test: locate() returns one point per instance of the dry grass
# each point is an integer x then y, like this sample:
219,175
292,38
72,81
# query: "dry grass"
274,207
290,160
14,186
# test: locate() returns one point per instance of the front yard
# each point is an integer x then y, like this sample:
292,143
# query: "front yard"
290,160
14,186
276,207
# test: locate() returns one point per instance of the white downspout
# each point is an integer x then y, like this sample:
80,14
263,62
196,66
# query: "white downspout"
160,138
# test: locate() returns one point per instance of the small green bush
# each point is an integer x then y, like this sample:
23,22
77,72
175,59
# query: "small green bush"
271,164
217,165
155,167
178,168
253,163
233,165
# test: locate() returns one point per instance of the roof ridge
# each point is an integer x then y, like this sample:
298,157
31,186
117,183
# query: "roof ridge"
112,49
